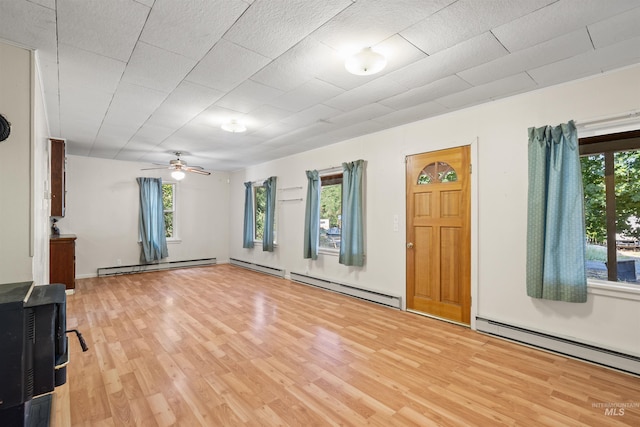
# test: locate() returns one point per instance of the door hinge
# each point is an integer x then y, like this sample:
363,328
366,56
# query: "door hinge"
470,168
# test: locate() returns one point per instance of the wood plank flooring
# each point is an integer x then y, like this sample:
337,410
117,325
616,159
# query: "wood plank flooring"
224,346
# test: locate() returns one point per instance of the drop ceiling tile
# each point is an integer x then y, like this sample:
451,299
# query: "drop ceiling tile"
618,55
104,27
466,19
226,66
190,27
367,112
478,50
304,61
183,104
556,19
616,29
426,93
369,22
273,130
51,4
29,25
263,116
87,69
489,91
153,133
272,27
412,114
132,105
318,112
558,49
302,97
373,91
156,68
248,96
82,111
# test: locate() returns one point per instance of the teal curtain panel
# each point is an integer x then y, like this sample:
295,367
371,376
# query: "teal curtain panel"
151,226
555,228
352,244
247,230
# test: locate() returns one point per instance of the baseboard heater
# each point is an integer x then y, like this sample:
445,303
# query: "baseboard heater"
589,353
274,271
365,294
143,268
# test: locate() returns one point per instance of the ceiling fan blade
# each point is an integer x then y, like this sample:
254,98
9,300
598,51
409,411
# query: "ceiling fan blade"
201,172
150,169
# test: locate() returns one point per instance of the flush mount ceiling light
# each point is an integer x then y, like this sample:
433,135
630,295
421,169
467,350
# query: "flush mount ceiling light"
234,126
365,62
178,175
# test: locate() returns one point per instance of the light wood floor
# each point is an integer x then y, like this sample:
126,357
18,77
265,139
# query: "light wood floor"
223,346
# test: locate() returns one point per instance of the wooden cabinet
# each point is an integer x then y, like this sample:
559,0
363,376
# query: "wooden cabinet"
58,177
62,260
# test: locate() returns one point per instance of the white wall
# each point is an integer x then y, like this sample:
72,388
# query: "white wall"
41,186
102,210
20,225
501,173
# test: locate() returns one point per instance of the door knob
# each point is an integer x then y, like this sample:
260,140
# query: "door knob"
409,245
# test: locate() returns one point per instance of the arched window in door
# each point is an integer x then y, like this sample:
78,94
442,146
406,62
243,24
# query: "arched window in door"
437,172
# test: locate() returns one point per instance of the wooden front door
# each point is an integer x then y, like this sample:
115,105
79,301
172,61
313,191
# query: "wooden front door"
439,234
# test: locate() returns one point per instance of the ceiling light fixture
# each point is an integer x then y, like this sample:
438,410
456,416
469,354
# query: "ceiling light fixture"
365,62
234,126
178,175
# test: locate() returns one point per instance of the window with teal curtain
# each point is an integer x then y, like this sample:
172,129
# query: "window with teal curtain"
312,216
555,227
247,231
352,244
269,215
151,226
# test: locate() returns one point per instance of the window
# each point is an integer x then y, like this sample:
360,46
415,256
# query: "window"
260,206
259,210
169,204
437,172
330,211
610,174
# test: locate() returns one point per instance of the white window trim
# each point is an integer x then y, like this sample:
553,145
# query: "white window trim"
620,290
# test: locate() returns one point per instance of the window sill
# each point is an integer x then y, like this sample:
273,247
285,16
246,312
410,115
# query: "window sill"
327,251
611,289
171,241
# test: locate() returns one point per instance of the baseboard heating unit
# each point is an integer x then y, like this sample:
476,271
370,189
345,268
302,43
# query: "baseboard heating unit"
274,271
589,353
143,268
365,294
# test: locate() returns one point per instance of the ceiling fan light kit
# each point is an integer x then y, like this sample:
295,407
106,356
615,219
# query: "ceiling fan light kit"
365,63
180,167
234,126
178,175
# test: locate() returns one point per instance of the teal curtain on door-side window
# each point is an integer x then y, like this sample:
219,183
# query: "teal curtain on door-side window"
151,226
352,243
312,216
247,231
268,237
555,229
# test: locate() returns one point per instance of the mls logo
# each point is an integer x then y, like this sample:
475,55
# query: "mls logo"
614,412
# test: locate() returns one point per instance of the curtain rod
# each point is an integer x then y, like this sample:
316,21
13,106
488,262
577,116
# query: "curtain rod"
608,119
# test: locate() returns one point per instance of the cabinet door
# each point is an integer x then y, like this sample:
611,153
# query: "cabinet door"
57,177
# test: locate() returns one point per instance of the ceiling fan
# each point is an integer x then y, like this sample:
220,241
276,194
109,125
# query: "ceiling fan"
179,167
